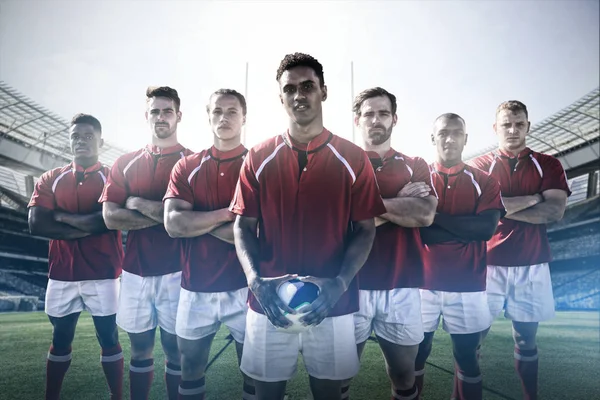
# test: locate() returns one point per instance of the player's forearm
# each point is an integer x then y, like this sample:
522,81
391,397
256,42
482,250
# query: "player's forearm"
409,212
381,221
183,223
126,220
436,234
92,223
468,227
247,249
224,233
149,208
56,230
542,213
520,203
357,251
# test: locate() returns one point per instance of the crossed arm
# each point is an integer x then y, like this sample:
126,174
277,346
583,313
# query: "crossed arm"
182,221
462,228
138,213
64,226
412,208
549,206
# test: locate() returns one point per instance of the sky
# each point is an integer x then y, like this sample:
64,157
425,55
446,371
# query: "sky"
466,57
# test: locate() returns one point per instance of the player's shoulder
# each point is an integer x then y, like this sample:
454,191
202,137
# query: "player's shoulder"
194,158
410,160
266,148
544,159
187,152
54,173
480,175
105,169
346,149
126,158
344,144
483,161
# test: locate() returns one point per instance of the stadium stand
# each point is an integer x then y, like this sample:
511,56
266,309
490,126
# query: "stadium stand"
33,140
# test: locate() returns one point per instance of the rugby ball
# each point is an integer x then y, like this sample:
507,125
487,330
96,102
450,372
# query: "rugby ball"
297,294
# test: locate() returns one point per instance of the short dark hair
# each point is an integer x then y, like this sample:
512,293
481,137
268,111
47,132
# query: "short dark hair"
514,106
301,60
450,116
164,91
230,92
369,94
86,119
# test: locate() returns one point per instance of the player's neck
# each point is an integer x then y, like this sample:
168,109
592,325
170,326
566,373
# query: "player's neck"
85,162
514,152
226,145
380,149
166,142
304,134
449,163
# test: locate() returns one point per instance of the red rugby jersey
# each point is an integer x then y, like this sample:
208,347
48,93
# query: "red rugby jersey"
305,213
456,266
395,260
207,180
145,173
517,243
76,190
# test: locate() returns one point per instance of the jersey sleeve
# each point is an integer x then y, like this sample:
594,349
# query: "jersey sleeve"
554,175
43,194
422,173
366,200
179,187
491,198
246,198
115,189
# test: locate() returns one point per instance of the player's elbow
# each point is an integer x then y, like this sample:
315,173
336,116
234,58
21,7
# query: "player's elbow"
488,233
428,212
109,220
34,227
173,225
557,214
108,217
425,219
35,223
555,210
428,217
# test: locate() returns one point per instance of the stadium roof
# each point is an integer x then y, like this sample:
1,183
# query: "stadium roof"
35,139
570,129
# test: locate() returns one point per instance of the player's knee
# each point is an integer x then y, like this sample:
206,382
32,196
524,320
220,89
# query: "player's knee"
524,336
63,331
169,345
142,346
106,331
191,367
61,339
402,373
466,359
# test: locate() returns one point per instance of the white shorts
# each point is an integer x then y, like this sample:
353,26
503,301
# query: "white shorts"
463,312
328,350
148,301
525,293
99,297
394,315
201,314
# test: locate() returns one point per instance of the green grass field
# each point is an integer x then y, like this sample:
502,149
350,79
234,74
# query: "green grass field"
569,363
